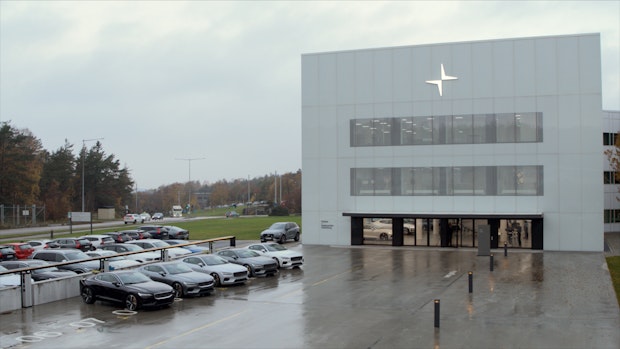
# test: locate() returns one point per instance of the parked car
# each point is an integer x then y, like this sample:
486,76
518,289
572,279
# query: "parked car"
173,252
77,243
177,233
10,279
132,288
51,272
116,262
140,257
251,260
119,237
280,232
157,216
185,281
156,231
232,214
37,244
66,255
98,240
136,234
133,218
222,271
7,253
191,248
285,258
145,217
374,233
386,224
22,250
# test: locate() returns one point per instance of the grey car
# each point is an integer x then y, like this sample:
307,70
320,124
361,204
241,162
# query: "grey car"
251,260
280,232
185,281
51,272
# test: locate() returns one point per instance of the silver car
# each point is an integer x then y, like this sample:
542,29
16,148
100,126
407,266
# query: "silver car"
222,271
251,260
286,258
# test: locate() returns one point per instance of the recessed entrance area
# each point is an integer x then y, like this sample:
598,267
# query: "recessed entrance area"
514,231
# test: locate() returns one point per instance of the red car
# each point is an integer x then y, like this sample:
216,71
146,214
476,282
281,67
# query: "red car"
23,250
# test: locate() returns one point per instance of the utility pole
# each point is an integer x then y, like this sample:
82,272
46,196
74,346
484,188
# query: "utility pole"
189,180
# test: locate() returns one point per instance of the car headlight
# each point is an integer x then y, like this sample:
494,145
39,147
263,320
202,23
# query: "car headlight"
190,284
286,258
256,265
145,295
227,274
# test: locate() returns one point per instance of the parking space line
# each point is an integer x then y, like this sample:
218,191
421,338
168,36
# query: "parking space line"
195,329
332,277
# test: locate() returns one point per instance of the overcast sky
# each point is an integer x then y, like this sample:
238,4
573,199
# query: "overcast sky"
220,82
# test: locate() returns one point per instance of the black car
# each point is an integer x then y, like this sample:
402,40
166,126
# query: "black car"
185,281
132,288
81,244
51,272
156,231
7,253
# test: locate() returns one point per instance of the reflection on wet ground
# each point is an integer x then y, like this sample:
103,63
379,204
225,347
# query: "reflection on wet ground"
364,297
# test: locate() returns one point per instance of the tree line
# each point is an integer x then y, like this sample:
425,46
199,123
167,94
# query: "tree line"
66,180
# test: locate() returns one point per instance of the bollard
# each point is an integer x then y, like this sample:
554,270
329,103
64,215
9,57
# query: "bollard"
437,313
505,249
491,266
471,283
52,234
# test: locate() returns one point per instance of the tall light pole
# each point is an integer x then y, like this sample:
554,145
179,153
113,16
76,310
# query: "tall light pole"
83,156
189,180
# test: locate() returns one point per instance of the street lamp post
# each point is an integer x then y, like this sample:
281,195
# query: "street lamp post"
83,156
189,180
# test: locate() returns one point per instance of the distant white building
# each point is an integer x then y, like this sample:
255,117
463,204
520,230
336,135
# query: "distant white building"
427,143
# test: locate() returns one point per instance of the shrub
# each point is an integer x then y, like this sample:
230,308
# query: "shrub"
279,211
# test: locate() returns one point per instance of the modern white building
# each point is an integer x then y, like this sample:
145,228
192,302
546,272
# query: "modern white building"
423,145
611,127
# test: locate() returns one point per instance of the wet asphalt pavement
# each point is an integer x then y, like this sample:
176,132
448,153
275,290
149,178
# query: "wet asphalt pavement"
365,297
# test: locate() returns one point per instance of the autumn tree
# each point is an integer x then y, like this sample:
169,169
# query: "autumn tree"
57,182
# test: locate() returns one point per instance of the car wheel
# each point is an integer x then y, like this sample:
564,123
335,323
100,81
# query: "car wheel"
178,290
263,240
125,222
383,236
216,279
277,261
282,238
250,272
88,296
297,237
131,302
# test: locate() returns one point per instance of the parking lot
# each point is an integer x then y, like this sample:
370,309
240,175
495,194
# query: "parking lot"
366,297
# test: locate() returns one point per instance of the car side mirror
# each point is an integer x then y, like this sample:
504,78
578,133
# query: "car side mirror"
117,284
162,273
201,265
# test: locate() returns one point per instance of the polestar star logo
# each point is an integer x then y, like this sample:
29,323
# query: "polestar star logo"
439,83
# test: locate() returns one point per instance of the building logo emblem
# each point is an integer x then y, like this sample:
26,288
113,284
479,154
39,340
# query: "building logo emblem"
439,82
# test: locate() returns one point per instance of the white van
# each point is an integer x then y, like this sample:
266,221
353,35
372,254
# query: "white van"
177,211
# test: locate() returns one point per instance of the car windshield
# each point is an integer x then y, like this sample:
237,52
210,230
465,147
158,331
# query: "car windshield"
277,226
213,260
178,268
133,278
73,256
275,247
2,268
160,244
132,247
247,253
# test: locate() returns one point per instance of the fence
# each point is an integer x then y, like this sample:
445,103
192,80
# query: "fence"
19,216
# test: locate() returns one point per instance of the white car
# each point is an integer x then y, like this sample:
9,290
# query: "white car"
386,224
145,216
285,258
98,240
174,252
10,279
222,271
116,261
37,244
133,218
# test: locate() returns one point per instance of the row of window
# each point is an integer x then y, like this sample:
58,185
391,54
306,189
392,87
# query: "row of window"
612,216
611,177
610,138
447,129
448,181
